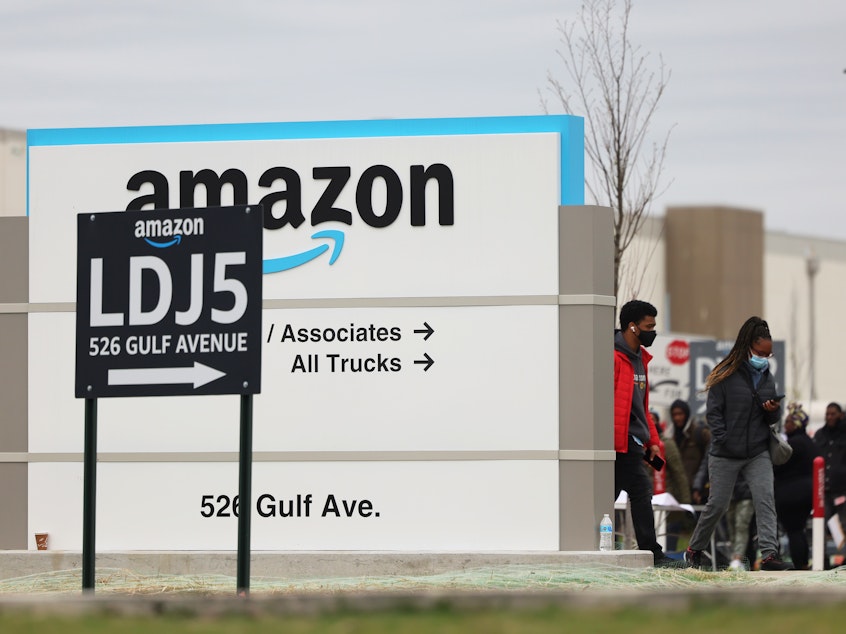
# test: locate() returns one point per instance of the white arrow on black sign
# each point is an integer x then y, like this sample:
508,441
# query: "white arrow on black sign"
198,375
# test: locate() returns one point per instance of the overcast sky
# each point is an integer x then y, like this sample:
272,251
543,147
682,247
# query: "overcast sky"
756,101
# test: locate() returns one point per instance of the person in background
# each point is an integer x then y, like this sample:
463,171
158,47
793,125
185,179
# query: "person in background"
675,479
739,519
741,406
635,434
831,440
676,484
794,485
691,437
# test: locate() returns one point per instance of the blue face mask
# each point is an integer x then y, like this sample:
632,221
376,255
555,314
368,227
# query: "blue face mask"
759,363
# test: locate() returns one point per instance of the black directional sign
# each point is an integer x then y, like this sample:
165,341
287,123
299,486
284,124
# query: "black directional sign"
169,302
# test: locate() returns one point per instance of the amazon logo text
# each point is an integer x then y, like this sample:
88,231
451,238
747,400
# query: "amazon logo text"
284,205
153,229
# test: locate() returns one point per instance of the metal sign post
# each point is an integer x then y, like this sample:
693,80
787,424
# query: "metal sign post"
245,483
89,500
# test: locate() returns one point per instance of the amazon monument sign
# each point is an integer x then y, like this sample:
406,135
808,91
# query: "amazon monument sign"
410,325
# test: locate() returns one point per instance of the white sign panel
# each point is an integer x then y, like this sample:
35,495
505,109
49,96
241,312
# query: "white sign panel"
390,505
492,386
409,332
422,214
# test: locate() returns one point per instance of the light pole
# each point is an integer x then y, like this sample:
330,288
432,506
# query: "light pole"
812,267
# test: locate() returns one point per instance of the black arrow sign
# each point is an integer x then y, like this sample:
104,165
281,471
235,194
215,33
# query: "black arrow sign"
428,330
428,361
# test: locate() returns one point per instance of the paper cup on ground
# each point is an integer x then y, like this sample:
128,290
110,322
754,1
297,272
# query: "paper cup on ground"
41,541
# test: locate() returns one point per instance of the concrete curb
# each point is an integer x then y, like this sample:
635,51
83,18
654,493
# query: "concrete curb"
308,564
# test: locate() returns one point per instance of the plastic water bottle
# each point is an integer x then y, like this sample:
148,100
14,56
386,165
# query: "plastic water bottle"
606,534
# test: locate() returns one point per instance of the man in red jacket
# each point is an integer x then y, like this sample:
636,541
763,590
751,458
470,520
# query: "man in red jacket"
635,434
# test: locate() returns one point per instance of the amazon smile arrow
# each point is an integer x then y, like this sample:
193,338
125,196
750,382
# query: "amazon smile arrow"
198,375
276,265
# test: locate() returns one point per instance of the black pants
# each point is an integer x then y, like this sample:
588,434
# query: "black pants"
793,501
631,477
794,520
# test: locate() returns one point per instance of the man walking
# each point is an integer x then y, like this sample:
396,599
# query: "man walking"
635,435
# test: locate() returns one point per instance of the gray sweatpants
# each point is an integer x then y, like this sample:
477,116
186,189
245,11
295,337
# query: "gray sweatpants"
758,472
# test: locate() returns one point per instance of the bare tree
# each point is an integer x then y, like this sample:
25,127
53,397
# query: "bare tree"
617,92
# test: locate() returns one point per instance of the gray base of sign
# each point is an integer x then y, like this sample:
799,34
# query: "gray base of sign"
308,564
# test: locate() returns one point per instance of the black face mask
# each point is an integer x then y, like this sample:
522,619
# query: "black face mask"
646,337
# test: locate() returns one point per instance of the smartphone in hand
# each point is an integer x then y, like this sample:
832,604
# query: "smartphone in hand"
656,463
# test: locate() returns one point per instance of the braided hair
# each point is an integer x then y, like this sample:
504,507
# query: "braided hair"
753,329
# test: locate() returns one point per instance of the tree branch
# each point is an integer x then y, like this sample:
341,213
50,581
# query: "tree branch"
610,83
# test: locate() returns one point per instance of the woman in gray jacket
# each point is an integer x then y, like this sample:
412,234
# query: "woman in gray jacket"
742,404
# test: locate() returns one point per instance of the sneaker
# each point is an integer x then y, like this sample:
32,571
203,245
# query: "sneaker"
693,558
736,565
774,563
662,561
